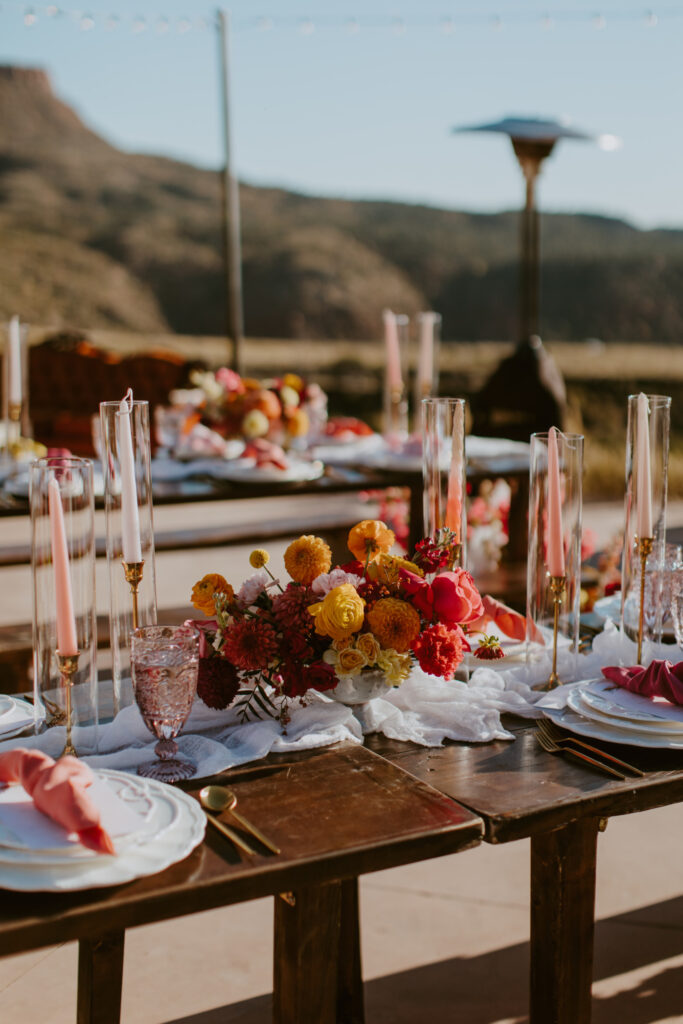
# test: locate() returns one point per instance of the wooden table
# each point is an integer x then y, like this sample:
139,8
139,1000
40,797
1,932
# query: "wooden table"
336,814
522,792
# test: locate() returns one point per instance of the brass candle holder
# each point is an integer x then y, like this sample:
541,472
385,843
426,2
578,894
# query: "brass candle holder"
133,573
645,545
14,412
557,586
68,666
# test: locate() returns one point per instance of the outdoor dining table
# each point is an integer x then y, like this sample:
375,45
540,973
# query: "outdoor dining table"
343,811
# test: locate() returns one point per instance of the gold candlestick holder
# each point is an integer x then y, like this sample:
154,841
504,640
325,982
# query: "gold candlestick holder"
557,586
133,573
68,666
645,545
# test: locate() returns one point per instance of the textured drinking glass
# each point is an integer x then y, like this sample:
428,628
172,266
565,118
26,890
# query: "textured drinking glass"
660,411
120,595
165,662
443,473
542,593
676,606
75,481
395,393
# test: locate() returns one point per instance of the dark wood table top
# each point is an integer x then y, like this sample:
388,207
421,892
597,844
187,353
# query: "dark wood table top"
520,790
336,813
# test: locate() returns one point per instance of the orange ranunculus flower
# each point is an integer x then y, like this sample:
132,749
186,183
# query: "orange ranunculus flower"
204,592
307,558
395,623
370,539
340,613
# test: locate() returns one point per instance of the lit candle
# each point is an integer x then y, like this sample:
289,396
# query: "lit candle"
555,538
14,389
644,476
425,359
393,352
66,623
130,520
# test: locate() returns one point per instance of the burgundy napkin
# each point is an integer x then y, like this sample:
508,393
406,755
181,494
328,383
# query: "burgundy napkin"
659,679
58,789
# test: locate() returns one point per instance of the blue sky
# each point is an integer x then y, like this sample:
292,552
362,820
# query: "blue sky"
367,113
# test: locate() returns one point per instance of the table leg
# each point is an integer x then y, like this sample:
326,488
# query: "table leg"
316,976
562,923
100,979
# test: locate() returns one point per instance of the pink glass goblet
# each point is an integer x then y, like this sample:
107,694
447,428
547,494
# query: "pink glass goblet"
164,664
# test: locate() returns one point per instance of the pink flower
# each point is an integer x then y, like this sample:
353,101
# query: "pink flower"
452,598
230,381
327,581
253,587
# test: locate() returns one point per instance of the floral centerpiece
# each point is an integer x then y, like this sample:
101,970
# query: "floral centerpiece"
271,642
281,410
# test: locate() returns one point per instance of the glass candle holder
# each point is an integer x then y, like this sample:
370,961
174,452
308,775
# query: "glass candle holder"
132,584
443,473
640,478
396,332
554,561
427,362
64,681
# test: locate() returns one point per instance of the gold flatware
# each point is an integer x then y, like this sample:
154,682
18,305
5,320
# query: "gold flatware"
228,832
556,734
552,747
219,798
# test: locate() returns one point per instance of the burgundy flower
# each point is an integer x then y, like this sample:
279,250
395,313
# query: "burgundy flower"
217,682
290,609
250,644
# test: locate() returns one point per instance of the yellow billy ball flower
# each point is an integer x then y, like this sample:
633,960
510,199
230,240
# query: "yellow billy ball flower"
259,558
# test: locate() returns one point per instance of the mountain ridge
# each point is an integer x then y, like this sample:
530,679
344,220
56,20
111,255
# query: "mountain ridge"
97,237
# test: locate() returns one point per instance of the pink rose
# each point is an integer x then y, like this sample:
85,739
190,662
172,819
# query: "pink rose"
455,597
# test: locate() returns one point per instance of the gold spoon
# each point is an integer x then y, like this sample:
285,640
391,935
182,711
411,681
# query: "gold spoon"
210,808
218,799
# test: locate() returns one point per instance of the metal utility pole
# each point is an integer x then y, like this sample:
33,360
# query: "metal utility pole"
231,208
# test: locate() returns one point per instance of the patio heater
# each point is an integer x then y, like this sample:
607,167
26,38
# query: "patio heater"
542,398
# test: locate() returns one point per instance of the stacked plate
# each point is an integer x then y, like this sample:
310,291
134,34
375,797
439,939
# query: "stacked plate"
152,826
604,711
16,716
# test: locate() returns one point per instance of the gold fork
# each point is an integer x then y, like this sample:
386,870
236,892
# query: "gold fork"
552,747
555,733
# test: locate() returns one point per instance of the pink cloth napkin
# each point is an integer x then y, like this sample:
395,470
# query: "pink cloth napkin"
659,679
58,789
266,453
510,622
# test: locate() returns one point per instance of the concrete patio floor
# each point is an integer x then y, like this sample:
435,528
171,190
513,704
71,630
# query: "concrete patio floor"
445,940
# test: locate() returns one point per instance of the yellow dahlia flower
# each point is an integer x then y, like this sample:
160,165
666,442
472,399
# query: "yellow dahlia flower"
307,558
395,623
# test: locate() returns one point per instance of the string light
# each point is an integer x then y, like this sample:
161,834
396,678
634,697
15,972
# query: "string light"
398,25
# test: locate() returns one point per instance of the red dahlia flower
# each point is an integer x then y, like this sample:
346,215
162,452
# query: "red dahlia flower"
250,644
439,650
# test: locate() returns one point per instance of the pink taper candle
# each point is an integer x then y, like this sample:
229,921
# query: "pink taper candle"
644,475
425,364
130,520
66,623
393,352
555,539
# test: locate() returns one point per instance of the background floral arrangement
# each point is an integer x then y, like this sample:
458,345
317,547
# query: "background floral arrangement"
269,642
280,410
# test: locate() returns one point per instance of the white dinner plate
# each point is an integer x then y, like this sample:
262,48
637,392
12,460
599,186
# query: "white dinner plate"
246,470
573,722
136,858
576,703
16,718
6,706
617,702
